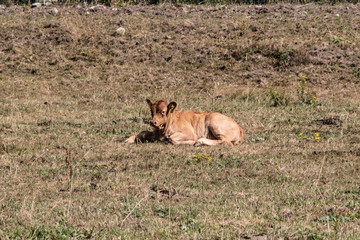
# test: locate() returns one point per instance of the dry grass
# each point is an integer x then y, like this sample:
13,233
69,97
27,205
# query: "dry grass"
71,90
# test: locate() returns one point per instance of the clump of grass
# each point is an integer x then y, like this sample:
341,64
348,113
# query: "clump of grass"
244,25
314,137
201,157
278,98
303,95
356,71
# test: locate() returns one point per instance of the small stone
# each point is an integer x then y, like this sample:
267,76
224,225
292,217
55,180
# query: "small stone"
54,11
96,8
35,5
2,9
120,31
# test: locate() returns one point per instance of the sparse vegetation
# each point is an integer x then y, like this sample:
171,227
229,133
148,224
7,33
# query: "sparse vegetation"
303,95
278,98
72,88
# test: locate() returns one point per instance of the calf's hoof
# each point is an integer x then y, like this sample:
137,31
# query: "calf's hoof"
198,143
130,139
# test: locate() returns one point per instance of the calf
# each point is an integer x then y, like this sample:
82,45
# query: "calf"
188,127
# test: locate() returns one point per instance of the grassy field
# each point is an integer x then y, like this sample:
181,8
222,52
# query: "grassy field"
72,89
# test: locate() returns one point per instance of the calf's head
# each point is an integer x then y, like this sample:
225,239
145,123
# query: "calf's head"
160,111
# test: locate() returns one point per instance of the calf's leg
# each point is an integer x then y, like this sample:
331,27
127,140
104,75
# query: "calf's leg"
145,136
212,142
180,138
223,129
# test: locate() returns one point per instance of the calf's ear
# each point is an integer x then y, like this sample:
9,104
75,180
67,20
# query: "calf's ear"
171,107
149,102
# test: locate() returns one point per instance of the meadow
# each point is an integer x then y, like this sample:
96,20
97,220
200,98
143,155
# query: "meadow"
72,88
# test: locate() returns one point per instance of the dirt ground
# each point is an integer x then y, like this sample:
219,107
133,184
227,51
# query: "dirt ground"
246,45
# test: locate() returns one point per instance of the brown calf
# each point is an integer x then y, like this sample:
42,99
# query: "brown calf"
188,127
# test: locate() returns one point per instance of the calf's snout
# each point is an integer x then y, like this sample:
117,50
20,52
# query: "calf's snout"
153,123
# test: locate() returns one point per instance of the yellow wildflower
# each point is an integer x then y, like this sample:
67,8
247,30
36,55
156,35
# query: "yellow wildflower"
316,136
